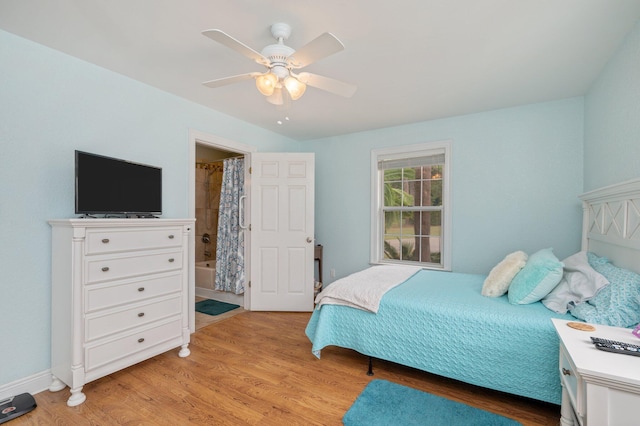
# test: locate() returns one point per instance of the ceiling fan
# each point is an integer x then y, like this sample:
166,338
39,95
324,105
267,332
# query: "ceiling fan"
282,62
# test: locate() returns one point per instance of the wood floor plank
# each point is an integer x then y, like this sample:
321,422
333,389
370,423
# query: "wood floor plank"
256,368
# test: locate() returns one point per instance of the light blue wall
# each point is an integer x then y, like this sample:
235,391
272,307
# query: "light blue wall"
50,105
516,172
516,177
612,119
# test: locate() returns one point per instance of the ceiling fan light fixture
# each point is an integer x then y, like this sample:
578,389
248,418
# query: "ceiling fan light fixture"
276,97
295,87
280,61
266,83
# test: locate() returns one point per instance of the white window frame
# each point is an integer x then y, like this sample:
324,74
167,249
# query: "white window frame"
377,221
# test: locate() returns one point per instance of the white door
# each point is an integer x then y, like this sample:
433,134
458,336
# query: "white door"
282,231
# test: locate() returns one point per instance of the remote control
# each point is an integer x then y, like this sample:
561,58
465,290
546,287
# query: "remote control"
616,347
613,342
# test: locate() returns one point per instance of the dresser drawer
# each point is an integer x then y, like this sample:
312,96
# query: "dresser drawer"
107,295
101,241
99,326
100,354
573,383
112,268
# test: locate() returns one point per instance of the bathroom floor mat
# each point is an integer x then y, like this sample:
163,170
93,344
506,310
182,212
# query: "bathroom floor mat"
214,307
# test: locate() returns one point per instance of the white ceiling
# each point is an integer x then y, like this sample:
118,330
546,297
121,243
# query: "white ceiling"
412,60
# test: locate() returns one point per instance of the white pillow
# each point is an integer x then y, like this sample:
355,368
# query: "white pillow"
497,282
579,283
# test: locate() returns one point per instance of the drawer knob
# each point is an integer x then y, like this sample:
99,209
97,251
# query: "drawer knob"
171,260
140,340
171,237
566,372
105,269
105,240
141,314
140,288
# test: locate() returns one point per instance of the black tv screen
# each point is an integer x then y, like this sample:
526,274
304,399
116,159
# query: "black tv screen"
106,185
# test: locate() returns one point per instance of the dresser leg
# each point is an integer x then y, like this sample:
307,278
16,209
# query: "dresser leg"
77,397
184,351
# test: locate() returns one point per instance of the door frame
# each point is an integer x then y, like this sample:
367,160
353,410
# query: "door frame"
197,137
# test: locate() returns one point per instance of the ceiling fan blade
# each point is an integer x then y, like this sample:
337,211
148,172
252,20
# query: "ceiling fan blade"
328,84
226,40
318,48
230,80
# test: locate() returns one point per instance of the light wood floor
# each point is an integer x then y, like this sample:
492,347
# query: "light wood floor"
255,368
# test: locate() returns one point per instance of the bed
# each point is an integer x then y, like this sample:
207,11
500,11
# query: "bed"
440,322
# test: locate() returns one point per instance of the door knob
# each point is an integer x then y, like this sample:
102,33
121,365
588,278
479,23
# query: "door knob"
309,239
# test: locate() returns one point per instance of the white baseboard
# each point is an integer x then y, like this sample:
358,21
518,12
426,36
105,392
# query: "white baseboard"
221,296
32,384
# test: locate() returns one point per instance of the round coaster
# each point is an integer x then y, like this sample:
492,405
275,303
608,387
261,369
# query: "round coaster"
581,326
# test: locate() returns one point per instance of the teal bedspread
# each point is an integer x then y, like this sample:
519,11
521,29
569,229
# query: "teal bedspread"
440,323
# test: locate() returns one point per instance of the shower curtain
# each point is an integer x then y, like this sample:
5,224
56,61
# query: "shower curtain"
230,242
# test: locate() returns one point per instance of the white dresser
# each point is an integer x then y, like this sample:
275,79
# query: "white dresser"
598,388
119,296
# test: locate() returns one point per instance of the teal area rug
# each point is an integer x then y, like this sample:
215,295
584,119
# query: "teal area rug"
385,403
214,307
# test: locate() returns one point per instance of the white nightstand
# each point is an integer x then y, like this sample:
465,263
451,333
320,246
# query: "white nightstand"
598,388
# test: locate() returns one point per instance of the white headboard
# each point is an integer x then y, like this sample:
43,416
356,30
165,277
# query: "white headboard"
611,223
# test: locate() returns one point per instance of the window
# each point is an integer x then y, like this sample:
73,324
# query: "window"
411,213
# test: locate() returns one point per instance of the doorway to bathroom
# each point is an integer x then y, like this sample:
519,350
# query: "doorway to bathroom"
211,165
207,154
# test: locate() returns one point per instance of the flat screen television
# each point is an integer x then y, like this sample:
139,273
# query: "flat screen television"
112,186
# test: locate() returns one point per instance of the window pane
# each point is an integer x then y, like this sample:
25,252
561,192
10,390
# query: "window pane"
416,222
413,190
408,220
392,247
398,247
398,224
392,222
425,223
412,248
414,243
413,236
435,221
393,175
436,185
429,249
393,194
408,173
398,185
409,224
431,223
425,189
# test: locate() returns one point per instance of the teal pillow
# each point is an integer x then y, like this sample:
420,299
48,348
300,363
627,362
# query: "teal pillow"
540,275
617,304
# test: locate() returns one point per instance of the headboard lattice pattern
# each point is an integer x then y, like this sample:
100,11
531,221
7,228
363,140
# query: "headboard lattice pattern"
611,225
619,219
